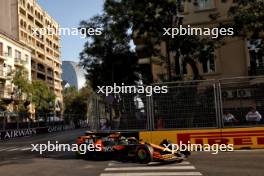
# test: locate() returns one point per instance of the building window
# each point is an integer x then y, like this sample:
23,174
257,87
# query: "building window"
21,23
26,56
180,66
17,54
256,57
1,69
9,69
205,4
1,49
29,28
208,66
9,51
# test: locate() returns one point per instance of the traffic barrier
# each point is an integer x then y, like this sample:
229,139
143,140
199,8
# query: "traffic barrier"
241,138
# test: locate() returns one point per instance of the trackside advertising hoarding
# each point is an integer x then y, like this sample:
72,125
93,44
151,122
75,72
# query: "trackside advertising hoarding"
9,134
241,138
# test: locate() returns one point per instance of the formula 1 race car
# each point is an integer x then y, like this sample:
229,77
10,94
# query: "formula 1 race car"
116,146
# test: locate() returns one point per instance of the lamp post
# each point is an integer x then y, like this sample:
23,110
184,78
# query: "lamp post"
13,95
51,108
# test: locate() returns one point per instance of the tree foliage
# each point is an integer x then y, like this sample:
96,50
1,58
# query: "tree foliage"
76,102
248,17
25,92
21,82
42,97
107,57
22,90
147,19
248,21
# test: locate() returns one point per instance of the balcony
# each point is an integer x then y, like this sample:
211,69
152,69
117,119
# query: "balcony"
50,73
49,62
58,78
58,70
22,11
6,92
30,18
33,66
41,68
19,62
57,85
3,75
50,83
2,57
41,77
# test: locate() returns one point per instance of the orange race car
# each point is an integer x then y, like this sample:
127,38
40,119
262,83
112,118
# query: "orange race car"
116,146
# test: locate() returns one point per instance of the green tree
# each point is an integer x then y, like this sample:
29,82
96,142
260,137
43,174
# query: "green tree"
76,103
147,19
21,83
25,93
107,58
248,22
22,92
248,18
42,97
69,94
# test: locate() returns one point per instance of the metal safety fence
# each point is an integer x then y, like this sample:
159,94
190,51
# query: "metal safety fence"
224,103
234,102
242,101
186,105
119,112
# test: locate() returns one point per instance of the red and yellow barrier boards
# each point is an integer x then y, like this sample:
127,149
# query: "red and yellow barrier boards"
239,137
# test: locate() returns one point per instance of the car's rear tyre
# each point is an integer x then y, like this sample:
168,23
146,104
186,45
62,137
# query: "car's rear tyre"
143,155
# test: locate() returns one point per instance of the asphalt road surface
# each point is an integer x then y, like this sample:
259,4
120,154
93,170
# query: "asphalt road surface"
16,159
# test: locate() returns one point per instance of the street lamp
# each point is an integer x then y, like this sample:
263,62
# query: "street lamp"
51,107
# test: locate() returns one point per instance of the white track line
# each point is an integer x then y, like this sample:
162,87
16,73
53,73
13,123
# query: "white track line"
13,149
153,174
120,164
26,149
4,149
181,163
150,168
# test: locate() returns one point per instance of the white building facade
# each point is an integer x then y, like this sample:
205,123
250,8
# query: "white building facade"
13,56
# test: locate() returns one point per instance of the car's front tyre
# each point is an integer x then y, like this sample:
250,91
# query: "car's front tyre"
143,155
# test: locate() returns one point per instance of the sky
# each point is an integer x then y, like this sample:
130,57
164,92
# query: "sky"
69,13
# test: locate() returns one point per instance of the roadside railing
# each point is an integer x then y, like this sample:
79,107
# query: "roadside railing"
225,103
220,103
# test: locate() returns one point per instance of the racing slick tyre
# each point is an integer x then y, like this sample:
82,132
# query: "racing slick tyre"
143,155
